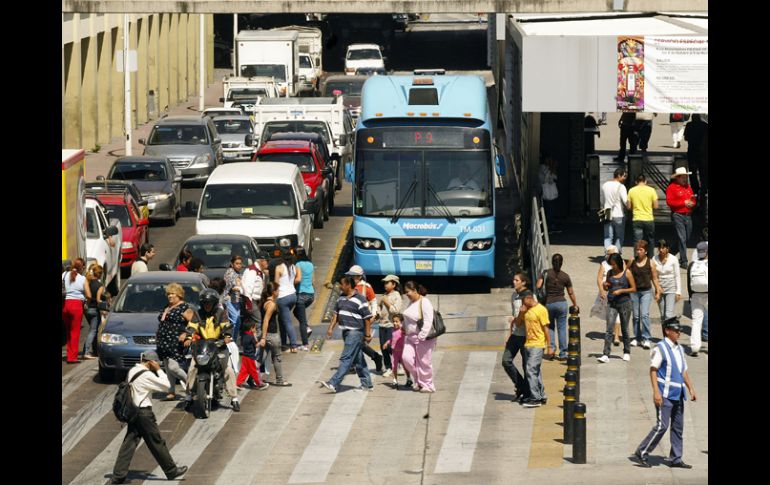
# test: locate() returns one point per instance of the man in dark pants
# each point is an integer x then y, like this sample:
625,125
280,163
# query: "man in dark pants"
695,133
144,425
514,344
643,128
668,375
681,200
627,134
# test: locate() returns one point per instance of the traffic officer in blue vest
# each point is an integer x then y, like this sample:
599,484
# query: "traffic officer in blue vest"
668,374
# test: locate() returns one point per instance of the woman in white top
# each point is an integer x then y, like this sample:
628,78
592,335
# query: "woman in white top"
287,275
77,291
391,303
604,268
418,351
667,266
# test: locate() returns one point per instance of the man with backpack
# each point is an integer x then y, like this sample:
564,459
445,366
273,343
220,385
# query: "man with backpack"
698,289
143,378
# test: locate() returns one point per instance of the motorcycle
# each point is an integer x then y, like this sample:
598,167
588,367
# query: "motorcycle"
211,357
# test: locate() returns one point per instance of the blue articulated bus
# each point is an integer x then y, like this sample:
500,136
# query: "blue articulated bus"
423,177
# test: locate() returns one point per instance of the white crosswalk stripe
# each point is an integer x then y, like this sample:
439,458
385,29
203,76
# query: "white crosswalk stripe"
459,444
85,419
76,378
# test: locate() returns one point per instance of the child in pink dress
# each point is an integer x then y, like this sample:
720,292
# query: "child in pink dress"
396,343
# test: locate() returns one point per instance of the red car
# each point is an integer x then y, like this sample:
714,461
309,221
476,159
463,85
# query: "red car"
306,156
122,206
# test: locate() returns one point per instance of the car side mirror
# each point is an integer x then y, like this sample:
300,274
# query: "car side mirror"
165,267
326,171
100,178
142,141
178,179
349,172
141,203
384,59
221,100
249,140
344,139
111,231
144,222
500,165
309,207
191,207
217,141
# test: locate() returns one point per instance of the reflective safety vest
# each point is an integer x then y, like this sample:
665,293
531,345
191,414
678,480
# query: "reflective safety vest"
670,376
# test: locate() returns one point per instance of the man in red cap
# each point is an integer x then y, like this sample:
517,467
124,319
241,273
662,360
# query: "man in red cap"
680,198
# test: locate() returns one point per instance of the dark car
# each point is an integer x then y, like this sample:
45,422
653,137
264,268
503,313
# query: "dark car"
216,250
133,319
158,181
349,87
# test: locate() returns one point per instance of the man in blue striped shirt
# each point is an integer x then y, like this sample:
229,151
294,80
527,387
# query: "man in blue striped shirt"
355,319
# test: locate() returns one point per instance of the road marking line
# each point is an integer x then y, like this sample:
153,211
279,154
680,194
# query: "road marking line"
323,295
456,455
76,378
321,453
86,418
545,451
102,465
258,444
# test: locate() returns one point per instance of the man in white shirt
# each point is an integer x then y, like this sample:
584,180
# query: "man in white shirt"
252,282
144,425
146,253
464,181
615,197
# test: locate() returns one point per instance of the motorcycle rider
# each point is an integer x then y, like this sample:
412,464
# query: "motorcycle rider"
212,325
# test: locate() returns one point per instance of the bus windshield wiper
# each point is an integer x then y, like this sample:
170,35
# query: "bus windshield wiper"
447,212
401,204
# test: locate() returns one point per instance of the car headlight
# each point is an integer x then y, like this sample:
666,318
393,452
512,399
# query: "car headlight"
308,189
202,159
284,242
113,339
369,243
477,244
127,245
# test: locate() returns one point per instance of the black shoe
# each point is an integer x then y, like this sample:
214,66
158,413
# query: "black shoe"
693,354
236,406
544,401
251,383
409,383
680,464
531,403
188,405
180,470
641,460
118,480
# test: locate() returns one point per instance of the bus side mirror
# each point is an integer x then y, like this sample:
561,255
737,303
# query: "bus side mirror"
500,165
349,172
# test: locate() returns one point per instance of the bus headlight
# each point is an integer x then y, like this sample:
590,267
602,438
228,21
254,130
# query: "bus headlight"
368,243
477,244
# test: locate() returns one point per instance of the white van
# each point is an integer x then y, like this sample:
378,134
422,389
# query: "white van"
266,201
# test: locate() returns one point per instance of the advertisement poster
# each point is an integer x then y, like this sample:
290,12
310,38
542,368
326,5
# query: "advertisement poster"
631,75
663,74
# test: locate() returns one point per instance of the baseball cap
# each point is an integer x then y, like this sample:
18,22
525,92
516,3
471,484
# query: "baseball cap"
672,323
391,277
150,355
355,270
611,249
703,248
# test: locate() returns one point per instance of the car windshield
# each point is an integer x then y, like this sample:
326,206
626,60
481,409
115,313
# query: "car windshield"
151,297
233,127
248,201
138,171
246,95
303,160
278,71
304,62
119,212
351,88
361,54
219,254
178,135
296,126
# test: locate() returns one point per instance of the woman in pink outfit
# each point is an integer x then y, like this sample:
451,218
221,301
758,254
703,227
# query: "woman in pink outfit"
418,352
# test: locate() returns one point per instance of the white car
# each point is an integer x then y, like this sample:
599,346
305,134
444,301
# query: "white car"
99,234
363,55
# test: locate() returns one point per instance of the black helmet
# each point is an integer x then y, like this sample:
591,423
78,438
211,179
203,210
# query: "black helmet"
208,296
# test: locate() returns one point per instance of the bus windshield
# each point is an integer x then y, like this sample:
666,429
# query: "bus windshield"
424,183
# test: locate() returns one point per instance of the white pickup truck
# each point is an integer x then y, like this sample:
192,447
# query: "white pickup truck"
103,242
245,92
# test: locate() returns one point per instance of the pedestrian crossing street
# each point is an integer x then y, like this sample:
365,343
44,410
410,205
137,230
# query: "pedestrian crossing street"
305,434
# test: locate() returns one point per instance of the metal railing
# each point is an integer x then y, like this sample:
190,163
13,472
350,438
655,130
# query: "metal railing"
540,245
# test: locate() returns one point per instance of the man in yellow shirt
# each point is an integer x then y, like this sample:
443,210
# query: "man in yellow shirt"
642,199
535,319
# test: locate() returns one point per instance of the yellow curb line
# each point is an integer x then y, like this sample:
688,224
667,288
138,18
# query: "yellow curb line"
544,451
323,295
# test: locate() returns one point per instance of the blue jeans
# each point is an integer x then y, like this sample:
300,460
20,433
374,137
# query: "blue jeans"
352,354
644,230
683,227
640,302
94,319
557,314
534,361
234,315
705,332
285,306
304,300
613,233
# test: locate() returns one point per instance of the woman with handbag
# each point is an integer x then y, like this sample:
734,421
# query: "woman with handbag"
601,299
418,349
77,292
93,313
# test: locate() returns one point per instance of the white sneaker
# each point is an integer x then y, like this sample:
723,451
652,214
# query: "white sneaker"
387,373
634,343
627,357
646,344
604,359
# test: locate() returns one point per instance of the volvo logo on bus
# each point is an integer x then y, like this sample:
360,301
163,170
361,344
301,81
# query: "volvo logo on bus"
426,225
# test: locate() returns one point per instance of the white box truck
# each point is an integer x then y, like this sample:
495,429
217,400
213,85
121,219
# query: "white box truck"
272,54
310,55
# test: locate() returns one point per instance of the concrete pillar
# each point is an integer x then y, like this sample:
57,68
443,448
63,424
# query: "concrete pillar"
173,53
88,92
71,137
182,57
116,81
152,59
192,53
209,49
163,63
132,43
104,82
140,88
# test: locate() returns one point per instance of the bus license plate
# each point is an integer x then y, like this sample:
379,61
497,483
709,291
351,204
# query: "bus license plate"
423,265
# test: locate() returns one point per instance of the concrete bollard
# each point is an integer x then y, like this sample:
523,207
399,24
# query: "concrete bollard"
568,413
571,380
573,364
579,433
